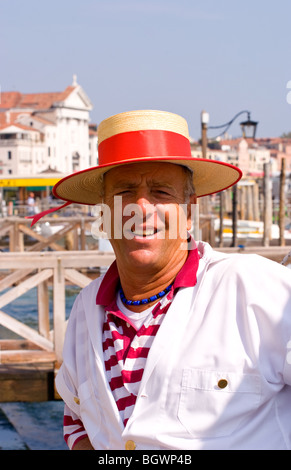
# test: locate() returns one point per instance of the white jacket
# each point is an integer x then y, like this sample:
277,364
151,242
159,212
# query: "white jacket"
234,325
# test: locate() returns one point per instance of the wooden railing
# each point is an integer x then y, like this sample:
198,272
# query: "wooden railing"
70,231
23,271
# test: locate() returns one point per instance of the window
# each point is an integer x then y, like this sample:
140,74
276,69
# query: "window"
9,155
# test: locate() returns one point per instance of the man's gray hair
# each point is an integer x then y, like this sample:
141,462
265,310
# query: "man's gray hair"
189,189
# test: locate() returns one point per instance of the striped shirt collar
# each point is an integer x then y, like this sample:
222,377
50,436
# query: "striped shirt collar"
186,277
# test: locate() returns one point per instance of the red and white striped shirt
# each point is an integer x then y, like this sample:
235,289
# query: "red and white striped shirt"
125,352
126,343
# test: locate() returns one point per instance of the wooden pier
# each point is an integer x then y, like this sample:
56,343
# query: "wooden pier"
38,353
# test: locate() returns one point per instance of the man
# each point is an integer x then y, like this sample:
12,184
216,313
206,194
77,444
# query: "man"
176,346
31,204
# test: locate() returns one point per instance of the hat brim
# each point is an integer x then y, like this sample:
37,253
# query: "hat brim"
209,177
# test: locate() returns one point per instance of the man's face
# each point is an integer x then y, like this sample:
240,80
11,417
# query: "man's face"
152,197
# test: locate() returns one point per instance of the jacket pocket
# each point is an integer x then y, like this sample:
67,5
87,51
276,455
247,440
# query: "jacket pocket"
214,403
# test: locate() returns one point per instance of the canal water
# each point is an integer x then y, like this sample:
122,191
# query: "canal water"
25,309
32,426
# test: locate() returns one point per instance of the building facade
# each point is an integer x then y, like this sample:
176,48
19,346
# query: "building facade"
46,131
246,154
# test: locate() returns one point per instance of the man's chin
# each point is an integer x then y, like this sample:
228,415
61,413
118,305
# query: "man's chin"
143,258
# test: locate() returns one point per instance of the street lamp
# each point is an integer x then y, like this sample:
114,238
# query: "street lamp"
249,125
245,126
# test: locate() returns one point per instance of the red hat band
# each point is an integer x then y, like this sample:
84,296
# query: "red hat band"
143,144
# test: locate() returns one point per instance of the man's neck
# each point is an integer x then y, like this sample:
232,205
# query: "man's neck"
145,282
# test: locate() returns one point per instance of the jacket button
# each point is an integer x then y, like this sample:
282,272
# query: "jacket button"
76,400
130,445
222,383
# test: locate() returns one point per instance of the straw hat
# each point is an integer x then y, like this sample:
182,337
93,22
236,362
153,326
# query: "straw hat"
141,136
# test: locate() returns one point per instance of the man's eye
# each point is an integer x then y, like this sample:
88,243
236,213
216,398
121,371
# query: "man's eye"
162,192
123,192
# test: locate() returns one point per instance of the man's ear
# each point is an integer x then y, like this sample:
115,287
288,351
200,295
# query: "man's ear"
192,200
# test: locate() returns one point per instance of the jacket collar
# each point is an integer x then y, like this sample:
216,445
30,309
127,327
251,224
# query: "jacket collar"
186,277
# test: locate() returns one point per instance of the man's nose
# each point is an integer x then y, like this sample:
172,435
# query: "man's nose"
145,203
143,198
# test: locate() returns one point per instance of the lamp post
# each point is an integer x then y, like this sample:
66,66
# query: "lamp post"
204,124
246,126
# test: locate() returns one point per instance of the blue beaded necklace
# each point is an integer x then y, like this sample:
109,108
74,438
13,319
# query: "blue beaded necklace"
144,301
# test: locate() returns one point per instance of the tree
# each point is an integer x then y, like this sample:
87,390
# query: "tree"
286,135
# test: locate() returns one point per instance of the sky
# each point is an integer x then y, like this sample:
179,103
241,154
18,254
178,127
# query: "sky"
185,56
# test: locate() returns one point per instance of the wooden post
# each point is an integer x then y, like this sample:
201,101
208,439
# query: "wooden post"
11,238
204,125
250,203
282,201
211,231
228,201
221,213
82,234
256,201
59,308
267,205
20,239
234,216
242,202
43,309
